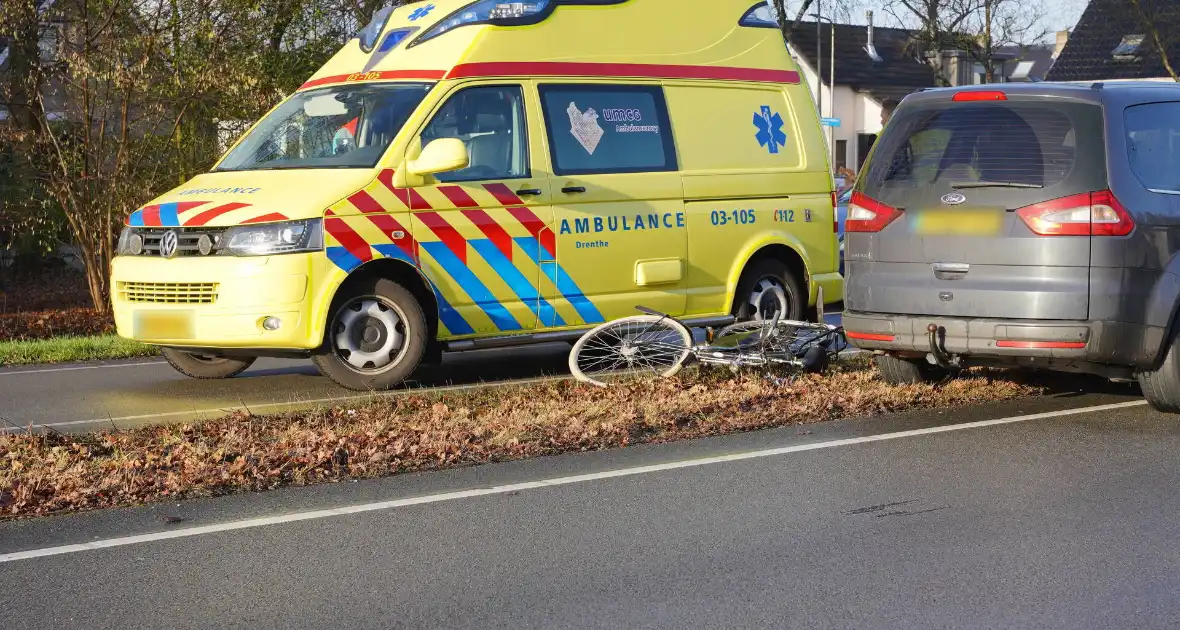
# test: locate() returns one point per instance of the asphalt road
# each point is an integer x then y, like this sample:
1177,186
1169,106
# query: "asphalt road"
82,397
87,397
1057,520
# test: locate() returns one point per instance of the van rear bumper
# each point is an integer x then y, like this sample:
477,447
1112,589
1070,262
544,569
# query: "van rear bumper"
1104,342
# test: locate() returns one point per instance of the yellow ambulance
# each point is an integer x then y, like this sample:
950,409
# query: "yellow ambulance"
464,175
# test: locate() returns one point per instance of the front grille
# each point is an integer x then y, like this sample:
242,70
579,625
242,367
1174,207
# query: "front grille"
169,292
186,239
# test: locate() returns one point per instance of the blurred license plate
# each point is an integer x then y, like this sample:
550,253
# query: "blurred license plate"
961,221
163,325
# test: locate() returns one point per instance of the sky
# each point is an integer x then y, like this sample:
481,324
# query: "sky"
1060,14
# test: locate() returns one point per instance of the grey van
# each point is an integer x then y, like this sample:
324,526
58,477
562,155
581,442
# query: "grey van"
1035,225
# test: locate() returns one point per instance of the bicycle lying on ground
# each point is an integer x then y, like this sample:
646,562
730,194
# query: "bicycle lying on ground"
657,344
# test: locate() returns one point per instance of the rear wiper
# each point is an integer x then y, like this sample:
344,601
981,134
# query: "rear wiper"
962,185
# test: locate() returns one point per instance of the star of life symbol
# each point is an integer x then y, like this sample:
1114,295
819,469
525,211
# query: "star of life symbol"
584,127
421,12
770,129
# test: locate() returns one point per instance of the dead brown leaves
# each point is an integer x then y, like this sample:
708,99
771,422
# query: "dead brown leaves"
73,322
45,474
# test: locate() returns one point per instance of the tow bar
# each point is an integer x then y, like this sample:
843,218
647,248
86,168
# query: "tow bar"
941,356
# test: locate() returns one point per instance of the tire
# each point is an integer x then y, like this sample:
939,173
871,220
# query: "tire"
1161,387
375,338
751,296
896,371
595,347
205,367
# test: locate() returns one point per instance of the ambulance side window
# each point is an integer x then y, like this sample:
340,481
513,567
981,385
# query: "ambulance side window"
608,129
490,121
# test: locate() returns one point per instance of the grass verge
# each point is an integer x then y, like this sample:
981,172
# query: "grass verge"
54,473
67,349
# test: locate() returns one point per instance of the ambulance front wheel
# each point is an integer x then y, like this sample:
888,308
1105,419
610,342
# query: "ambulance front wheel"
375,338
205,367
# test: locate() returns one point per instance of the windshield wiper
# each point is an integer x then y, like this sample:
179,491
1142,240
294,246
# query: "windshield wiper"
962,185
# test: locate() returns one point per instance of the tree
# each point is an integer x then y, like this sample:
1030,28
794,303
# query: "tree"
129,102
1158,18
997,24
936,25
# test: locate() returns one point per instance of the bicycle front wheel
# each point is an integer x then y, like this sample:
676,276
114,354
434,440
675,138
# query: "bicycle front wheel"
637,345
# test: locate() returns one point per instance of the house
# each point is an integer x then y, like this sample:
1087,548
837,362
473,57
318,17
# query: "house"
872,64
1021,64
1109,43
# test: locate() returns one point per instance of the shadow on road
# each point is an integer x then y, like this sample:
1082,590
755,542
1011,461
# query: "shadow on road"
1064,385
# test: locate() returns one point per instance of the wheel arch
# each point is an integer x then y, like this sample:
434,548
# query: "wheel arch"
399,271
786,253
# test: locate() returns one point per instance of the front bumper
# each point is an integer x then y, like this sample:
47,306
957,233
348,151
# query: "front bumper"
217,302
1008,340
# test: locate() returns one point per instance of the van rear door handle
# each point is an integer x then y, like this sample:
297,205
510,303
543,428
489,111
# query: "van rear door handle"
528,192
573,189
950,271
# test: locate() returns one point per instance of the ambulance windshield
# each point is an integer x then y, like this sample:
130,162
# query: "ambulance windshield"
348,126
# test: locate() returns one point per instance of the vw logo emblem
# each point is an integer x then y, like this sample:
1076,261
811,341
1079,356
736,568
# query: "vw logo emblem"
169,244
953,199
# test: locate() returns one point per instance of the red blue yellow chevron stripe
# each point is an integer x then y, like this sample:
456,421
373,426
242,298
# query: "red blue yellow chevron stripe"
491,260
199,213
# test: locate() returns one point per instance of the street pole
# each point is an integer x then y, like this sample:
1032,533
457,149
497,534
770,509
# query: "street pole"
832,92
819,62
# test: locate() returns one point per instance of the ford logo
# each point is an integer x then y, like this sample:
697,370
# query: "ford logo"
953,199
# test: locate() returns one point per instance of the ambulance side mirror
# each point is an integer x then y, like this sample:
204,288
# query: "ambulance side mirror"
440,156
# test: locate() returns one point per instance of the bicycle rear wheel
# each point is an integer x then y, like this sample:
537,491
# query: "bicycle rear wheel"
637,345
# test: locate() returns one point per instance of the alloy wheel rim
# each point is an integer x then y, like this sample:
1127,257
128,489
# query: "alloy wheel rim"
369,334
764,301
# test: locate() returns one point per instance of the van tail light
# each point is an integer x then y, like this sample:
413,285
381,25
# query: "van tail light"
1088,214
979,95
835,215
868,336
866,214
1041,345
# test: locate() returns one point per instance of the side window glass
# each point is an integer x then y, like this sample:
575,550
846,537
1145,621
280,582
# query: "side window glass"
608,129
490,121
1153,144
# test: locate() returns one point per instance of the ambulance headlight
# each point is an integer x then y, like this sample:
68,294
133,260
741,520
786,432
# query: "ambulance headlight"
287,237
496,12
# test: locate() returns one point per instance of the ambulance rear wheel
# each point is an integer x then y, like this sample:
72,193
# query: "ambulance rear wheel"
757,298
204,366
376,336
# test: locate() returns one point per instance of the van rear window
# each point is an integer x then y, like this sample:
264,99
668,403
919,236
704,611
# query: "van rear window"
934,148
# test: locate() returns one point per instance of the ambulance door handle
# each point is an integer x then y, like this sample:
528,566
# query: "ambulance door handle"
528,192
573,189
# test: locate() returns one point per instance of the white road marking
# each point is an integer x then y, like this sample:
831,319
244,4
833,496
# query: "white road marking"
82,367
531,485
294,404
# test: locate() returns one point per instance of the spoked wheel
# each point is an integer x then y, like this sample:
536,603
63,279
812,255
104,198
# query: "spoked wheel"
638,345
750,334
375,338
205,366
